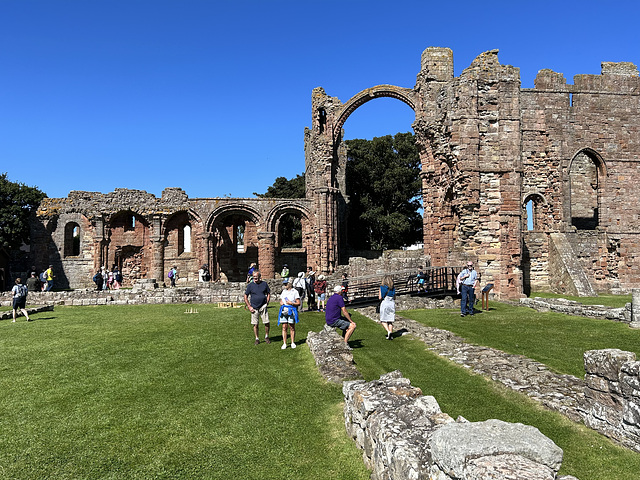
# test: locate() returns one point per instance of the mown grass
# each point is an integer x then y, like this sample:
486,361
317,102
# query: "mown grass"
615,301
150,392
587,454
555,339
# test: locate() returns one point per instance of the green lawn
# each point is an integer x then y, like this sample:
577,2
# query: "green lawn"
555,339
616,301
150,392
587,454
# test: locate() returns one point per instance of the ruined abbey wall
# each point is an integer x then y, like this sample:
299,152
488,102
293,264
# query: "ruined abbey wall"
145,235
534,185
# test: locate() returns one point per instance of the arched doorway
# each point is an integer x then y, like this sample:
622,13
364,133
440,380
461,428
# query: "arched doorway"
128,246
381,182
234,244
586,175
183,245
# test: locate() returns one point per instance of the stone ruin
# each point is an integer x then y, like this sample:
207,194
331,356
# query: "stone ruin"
405,435
534,184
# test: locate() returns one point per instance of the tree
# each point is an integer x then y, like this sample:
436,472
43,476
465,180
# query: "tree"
290,227
17,202
384,187
284,188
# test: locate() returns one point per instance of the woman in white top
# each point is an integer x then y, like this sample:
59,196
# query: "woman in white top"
290,301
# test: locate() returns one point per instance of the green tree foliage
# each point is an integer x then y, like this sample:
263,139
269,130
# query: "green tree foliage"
17,202
284,188
290,227
384,188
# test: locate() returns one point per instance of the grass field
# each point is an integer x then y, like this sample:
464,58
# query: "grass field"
615,301
150,392
555,339
587,454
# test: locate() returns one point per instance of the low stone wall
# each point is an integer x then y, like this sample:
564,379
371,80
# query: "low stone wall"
333,358
404,435
143,292
389,261
612,395
571,307
30,311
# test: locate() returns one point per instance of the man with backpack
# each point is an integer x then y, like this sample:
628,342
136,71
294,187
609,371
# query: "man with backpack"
19,292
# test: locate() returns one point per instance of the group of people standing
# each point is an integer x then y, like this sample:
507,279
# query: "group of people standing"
307,285
258,294
106,279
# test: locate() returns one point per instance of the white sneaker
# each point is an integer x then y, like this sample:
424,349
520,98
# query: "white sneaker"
284,345
293,345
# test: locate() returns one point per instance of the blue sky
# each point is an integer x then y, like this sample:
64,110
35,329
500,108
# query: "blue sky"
213,97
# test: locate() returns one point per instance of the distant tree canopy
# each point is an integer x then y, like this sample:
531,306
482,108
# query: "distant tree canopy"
284,188
17,202
384,188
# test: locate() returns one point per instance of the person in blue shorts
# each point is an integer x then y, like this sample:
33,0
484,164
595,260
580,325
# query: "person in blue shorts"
256,297
336,314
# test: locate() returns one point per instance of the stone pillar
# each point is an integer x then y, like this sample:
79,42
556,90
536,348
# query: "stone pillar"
267,254
635,308
157,249
98,239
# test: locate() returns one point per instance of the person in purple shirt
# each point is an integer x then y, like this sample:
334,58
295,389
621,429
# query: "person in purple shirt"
336,314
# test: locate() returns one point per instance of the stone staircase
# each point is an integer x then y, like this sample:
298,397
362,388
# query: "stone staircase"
566,269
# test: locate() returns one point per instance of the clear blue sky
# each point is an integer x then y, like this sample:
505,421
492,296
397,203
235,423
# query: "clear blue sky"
214,96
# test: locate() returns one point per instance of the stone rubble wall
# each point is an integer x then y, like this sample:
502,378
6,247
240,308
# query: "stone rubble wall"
390,261
571,307
612,395
30,311
144,292
333,358
404,435
558,392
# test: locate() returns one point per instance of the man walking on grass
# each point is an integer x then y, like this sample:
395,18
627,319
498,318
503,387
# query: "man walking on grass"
19,292
256,298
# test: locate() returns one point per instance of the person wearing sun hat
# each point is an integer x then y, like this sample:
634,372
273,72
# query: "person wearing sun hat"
320,287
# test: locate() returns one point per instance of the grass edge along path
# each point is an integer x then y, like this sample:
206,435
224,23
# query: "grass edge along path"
143,392
459,392
555,339
615,301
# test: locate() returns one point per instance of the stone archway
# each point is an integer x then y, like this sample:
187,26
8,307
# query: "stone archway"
586,173
405,95
128,245
304,252
233,241
326,159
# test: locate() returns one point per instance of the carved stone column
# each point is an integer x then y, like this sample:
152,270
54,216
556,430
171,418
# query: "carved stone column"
157,249
98,243
267,254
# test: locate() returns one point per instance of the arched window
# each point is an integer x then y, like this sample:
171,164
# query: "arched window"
290,231
184,239
532,215
585,175
240,238
71,239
